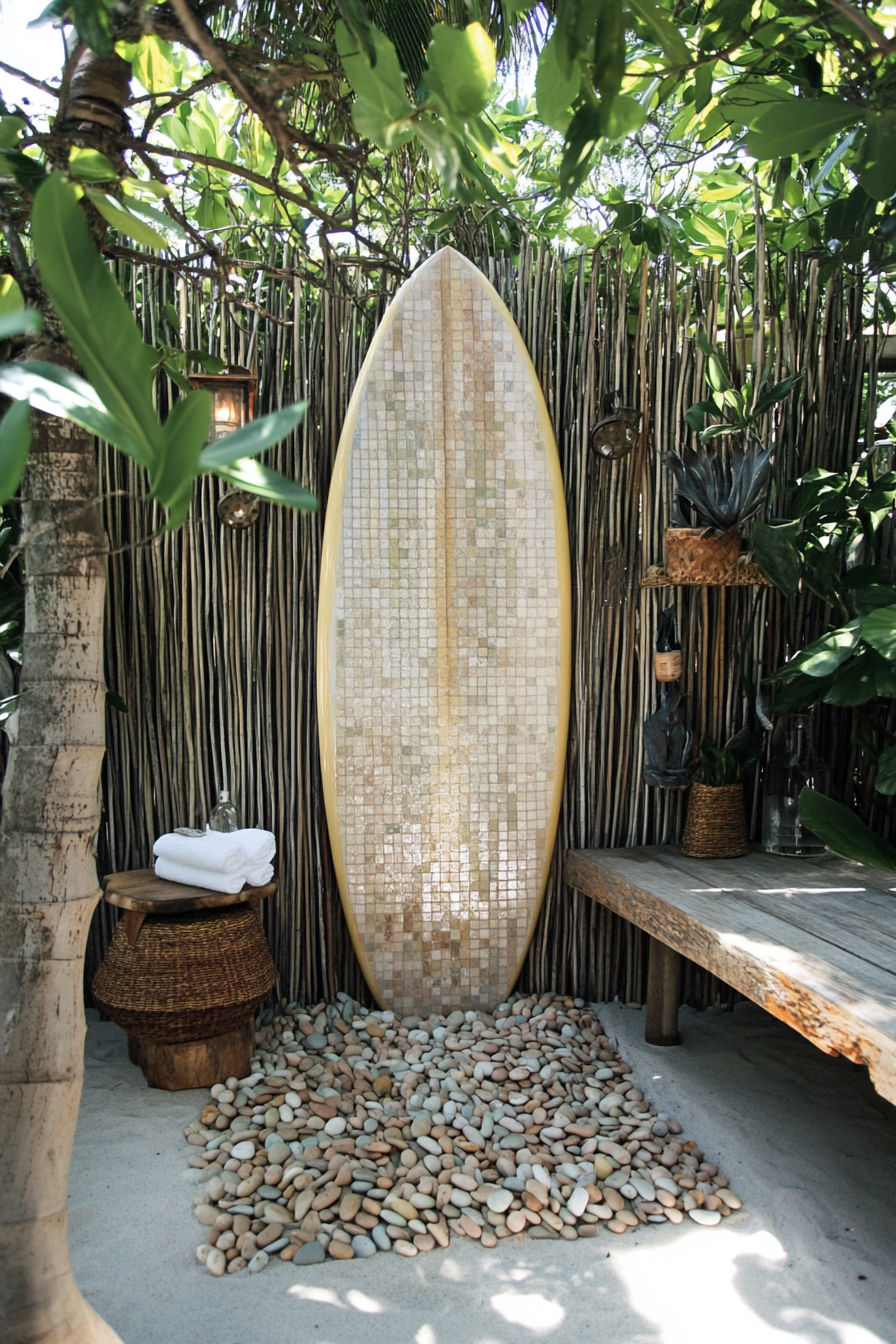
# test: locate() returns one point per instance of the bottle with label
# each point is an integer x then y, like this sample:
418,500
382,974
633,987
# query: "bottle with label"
224,816
793,764
667,663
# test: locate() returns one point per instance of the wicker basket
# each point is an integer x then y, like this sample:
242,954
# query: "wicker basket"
188,976
693,554
716,825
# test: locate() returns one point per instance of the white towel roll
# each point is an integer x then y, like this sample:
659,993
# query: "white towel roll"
172,871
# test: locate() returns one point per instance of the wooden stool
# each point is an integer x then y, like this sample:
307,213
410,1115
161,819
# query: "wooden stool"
184,974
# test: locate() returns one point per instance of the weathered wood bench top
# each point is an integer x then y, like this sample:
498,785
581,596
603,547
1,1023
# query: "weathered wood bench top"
812,941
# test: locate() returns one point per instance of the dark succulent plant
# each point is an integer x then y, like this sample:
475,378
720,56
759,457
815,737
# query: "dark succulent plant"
719,489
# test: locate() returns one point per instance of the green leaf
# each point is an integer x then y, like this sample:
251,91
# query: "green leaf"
11,129
556,91
114,701
461,69
124,220
268,484
252,438
157,216
382,107
58,391
20,322
879,630
152,64
886,771
800,692
89,165
668,36
15,440
96,318
843,832
797,126
28,172
94,25
582,138
856,682
185,436
878,175
626,115
778,555
825,655
11,298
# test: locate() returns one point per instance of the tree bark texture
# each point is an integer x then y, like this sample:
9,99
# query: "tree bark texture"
48,887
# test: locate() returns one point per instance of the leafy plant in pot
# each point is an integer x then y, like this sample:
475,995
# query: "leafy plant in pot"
716,823
718,490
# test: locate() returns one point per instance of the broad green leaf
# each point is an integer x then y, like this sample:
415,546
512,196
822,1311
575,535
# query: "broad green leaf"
626,115
879,630
878,175
556,91
843,832
268,484
743,102
381,86
574,32
778,556
582,138
885,781
825,655
124,220
11,129
58,391
252,438
800,692
668,36
185,434
11,298
150,212
856,682
461,68
153,66
797,126
96,318
28,173
89,165
15,440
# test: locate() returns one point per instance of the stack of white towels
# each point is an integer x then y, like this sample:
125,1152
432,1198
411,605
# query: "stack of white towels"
218,860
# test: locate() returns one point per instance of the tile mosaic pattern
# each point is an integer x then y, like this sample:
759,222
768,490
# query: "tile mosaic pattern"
446,663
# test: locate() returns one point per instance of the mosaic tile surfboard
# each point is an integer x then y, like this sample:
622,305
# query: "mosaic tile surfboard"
444,647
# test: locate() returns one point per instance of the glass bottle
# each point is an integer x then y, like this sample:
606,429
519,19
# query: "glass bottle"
667,664
224,816
793,765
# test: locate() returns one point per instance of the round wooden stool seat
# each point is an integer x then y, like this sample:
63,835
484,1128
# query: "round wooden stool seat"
183,975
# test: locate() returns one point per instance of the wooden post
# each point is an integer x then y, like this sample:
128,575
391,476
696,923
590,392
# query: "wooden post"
663,988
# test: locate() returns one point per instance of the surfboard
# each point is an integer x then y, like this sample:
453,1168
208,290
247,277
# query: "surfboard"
444,634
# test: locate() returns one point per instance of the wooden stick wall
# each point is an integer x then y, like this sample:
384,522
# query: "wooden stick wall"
211,632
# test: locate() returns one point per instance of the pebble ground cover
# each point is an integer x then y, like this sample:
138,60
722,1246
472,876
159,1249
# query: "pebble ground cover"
357,1133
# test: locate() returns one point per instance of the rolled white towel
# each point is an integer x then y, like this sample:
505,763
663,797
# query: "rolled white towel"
218,851
172,871
260,875
258,846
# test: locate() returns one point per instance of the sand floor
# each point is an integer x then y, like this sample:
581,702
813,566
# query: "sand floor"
811,1259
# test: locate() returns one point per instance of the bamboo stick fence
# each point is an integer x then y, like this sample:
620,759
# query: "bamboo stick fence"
211,633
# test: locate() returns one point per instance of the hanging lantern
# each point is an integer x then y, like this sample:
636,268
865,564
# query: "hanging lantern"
234,392
616,434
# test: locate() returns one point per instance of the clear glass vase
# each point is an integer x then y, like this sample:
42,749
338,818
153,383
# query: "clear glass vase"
794,764
224,816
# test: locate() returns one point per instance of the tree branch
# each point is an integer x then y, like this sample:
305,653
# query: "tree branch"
29,79
865,25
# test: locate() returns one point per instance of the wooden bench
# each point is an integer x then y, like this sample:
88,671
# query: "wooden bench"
812,941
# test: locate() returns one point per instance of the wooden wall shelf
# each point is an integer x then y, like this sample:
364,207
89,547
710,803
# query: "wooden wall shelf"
745,576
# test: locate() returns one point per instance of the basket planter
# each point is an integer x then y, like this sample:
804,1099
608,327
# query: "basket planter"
697,555
716,824
187,976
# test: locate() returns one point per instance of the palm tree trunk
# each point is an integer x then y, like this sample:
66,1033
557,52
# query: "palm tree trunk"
48,886
50,816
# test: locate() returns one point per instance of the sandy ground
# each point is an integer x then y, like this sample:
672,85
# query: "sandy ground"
811,1259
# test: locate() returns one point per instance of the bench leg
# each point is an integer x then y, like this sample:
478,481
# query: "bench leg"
663,987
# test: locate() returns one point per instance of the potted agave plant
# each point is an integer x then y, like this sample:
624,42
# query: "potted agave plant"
719,488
